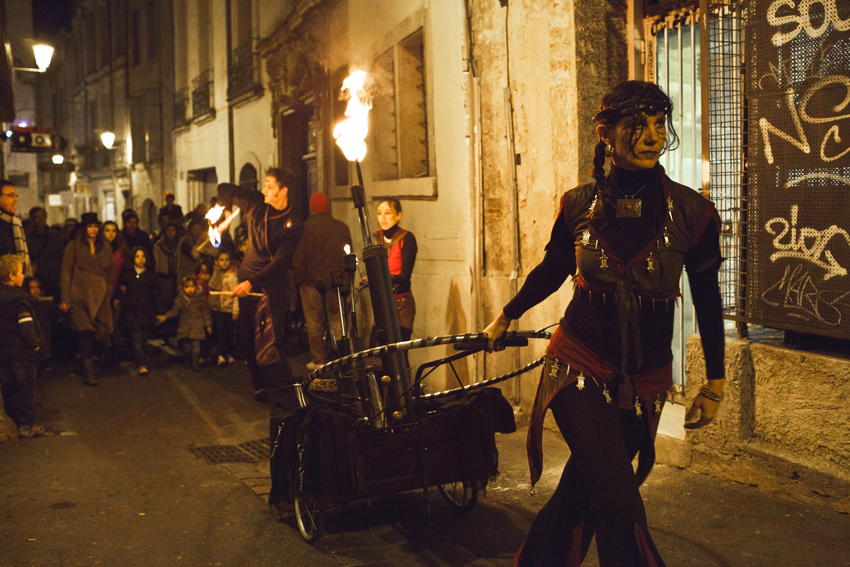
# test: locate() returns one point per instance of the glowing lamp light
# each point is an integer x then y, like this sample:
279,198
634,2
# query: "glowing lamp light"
108,138
58,159
22,123
347,249
350,134
8,133
43,55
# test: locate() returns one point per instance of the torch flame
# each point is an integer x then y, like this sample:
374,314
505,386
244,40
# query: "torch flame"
350,134
347,249
214,216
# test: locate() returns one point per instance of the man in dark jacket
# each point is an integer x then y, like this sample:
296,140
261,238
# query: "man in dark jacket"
12,237
135,236
20,342
273,236
320,252
46,250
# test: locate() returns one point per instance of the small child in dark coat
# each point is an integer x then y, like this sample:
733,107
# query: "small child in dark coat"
138,289
195,320
20,347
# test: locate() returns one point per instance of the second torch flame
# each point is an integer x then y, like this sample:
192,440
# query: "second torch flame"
350,134
216,227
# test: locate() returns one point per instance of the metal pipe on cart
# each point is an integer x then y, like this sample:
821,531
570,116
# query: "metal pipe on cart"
384,309
322,288
336,283
350,266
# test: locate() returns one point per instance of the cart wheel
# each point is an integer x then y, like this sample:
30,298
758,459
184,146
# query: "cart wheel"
310,516
461,496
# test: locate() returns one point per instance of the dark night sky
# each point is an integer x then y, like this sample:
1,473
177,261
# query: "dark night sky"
51,16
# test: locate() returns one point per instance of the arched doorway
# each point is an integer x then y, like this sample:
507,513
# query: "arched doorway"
248,176
149,215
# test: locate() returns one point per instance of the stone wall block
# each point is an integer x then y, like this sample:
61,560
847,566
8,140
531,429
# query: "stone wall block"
736,418
802,403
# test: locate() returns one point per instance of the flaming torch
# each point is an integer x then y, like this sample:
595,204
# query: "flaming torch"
217,226
350,135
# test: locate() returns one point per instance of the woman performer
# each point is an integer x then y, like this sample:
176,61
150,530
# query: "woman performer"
87,275
401,249
624,239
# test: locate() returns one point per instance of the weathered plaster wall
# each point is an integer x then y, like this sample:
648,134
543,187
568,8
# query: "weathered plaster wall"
782,424
563,56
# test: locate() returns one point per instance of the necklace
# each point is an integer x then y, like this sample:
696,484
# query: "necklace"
629,206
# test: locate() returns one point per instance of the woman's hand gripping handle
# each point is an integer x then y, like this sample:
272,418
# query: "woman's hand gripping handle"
496,329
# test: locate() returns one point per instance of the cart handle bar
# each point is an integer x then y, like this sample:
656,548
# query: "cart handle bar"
477,340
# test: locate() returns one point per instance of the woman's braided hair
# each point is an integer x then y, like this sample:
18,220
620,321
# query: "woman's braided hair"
635,99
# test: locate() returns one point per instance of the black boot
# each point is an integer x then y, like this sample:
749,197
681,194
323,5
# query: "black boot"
89,375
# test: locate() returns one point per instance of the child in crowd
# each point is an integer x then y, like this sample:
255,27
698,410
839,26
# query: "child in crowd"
203,274
195,321
139,292
225,309
46,311
20,347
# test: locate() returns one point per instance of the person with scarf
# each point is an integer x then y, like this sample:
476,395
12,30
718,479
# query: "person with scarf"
12,237
625,239
87,279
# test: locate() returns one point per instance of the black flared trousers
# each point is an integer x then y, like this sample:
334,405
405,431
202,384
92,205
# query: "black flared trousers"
598,493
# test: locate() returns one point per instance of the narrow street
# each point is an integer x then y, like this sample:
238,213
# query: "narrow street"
116,482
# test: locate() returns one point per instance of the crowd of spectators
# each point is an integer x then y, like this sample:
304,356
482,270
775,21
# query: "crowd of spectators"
102,292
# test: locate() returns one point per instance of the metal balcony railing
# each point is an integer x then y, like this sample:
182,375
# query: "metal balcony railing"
202,94
244,71
181,107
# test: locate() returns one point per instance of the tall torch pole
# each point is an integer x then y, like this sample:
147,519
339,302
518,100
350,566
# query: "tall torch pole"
350,135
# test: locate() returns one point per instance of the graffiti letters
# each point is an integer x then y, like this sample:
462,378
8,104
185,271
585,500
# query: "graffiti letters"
801,142
802,19
797,293
806,244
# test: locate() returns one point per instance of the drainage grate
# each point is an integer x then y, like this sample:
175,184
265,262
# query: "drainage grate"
259,448
248,452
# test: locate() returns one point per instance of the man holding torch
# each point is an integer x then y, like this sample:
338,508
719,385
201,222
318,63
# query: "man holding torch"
273,237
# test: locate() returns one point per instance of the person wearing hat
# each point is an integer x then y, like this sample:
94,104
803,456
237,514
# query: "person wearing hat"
86,282
321,251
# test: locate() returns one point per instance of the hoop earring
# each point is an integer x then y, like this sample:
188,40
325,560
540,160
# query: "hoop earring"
609,150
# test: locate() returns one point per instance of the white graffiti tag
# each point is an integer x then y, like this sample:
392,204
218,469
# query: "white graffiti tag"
806,244
803,19
799,296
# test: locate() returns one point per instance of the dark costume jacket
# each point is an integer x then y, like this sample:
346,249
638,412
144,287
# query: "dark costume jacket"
273,237
619,324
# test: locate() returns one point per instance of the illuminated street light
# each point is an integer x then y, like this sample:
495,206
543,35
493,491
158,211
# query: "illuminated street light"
43,55
108,138
58,159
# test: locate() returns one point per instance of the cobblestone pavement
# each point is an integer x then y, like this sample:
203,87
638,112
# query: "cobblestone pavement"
118,481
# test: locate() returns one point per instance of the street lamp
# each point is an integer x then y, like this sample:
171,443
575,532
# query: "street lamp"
43,54
108,139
